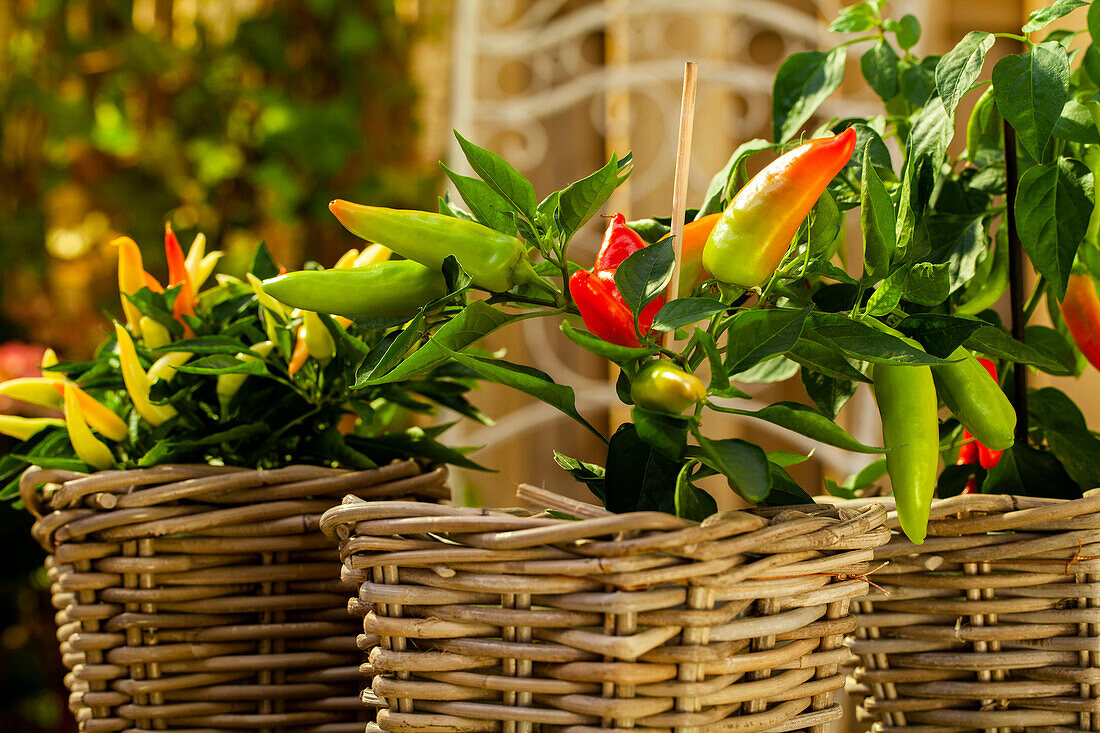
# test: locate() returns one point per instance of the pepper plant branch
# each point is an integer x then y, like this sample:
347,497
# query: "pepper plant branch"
1015,281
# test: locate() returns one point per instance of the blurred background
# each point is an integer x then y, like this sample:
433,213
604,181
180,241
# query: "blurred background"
243,118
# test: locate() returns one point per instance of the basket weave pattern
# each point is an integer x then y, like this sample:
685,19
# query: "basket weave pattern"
482,620
993,623
194,597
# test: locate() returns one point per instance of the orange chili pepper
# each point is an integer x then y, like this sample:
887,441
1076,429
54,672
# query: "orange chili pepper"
178,275
695,236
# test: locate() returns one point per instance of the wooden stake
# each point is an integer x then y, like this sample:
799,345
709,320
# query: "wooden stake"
680,183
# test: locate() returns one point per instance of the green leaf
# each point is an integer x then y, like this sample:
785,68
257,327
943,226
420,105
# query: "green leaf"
854,19
804,80
825,227
642,277
1093,21
1079,453
722,185
475,321
927,284
938,333
666,433
581,200
389,353
827,393
785,490
530,381
719,377
612,352
985,132
756,335
1053,206
879,65
501,177
263,264
691,502
686,311
223,364
1052,342
907,31
489,207
931,133
877,220
917,82
784,458
888,293
959,68
205,345
769,371
590,474
1051,409
1026,471
816,357
1076,124
994,342
1041,17
1031,89
863,342
638,477
447,208
744,465
807,421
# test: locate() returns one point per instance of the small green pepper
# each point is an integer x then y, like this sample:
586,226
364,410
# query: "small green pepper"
394,289
662,386
495,261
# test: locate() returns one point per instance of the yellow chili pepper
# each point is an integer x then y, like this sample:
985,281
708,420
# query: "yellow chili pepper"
89,449
49,359
165,367
229,384
101,418
347,259
131,278
372,255
137,381
34,390
317,337
24,428
153,335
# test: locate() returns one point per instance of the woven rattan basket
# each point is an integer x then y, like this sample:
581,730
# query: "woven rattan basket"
482,620
199,598
993,623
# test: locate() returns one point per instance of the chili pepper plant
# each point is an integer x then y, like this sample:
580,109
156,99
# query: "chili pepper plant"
226,375
765,292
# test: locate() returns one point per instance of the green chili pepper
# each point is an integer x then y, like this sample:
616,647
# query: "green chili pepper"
976,400
495,261
395,289
662,386
906,397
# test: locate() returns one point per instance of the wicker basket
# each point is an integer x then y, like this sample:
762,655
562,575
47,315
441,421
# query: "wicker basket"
199,598
993,623
481,620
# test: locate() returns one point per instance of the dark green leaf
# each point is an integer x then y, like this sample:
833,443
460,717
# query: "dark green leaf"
878,223
959,68
861,341
642,276
828,394
638,478
1050,341
692,502
744,465
263,264
723,184
686,311
807,421
1026,471
917,83
879,65
927,284
1053,206
1051,409
223,364
813,356
1079,453
939,334
756,335
785,490
589,474
501,177
994,342
804,80
1076,125
1031,89
667,434
826,227
611,352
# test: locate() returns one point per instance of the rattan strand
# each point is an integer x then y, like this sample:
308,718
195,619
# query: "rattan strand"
993,623
200,598
482,621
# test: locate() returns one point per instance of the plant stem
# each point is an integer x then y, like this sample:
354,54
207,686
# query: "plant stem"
1015,281
1033,301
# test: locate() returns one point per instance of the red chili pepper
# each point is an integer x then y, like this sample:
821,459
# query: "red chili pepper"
178,275
602,307
987,457
1081,312
968,454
